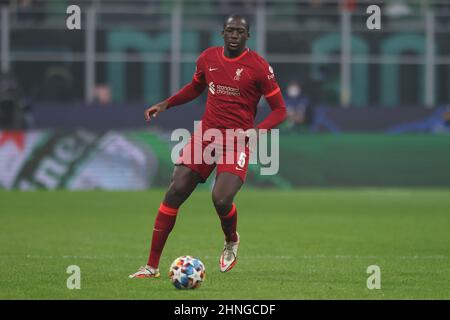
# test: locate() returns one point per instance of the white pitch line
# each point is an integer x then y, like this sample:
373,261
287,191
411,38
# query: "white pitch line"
415,257
249,257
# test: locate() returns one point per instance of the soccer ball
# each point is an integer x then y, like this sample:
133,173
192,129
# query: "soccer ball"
187,272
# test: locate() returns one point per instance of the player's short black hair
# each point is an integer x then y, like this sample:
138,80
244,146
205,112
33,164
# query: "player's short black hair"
239,17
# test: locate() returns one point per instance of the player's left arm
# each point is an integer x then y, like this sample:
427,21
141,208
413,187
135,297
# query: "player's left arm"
271,91
278,113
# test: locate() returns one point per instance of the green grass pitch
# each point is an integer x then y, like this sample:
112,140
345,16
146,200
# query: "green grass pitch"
303,244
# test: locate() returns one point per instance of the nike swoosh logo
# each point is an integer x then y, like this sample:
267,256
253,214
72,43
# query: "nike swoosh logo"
239,169
212,69
222,264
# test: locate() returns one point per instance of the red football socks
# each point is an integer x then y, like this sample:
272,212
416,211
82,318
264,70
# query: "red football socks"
229,223
165,220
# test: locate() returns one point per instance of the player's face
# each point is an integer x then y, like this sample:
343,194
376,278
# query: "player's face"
235,35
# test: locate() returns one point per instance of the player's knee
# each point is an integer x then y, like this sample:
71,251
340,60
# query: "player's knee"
178,189
222,202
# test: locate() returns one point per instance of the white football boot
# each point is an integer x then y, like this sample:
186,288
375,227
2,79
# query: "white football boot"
229,255
146,272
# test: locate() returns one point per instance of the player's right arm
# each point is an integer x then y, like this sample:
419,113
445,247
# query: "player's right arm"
156,109
188,93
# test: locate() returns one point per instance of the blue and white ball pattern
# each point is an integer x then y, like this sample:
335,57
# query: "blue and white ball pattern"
187,272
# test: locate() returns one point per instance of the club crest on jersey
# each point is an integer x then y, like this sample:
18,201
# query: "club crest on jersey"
237,77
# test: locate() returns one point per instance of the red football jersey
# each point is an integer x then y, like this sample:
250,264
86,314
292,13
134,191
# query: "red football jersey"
235,87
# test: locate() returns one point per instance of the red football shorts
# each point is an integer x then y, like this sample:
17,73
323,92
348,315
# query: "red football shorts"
204,156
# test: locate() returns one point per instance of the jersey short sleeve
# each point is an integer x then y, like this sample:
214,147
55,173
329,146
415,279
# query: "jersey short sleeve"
199,74
266,80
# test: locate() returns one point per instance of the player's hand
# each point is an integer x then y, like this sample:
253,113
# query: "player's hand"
154,110
250,136
253,132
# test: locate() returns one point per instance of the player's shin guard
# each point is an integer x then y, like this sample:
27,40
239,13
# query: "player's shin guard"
229,223
165,220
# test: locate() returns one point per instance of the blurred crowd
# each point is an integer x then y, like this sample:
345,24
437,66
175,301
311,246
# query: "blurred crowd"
15,109
392,6
302,96
44,10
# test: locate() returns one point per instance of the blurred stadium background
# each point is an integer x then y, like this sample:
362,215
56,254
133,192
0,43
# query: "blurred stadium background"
338,77
365,152
71,101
